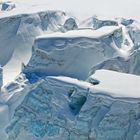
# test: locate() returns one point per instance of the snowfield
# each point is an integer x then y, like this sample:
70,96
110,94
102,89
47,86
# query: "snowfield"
67,74
117,84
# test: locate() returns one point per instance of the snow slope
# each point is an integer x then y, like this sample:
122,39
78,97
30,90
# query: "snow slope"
119,84
17,34
29,19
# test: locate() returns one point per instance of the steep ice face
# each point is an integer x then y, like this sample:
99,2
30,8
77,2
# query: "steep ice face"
18,33
70,24
96,23
127,43
72,53
130,44
64,108
120,64
133,29
130,29
4,120
126,22
10,96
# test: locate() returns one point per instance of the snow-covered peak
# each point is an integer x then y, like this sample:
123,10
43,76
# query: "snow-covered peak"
17,36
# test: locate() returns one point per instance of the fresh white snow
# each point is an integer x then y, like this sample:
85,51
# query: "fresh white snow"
112,83
89,33
118,84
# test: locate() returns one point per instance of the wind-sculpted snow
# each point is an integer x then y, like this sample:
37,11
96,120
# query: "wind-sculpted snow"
126,22
72,53
10,96
120,64
62,108
18,32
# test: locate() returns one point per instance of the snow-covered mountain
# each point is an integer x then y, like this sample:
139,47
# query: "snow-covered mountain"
76,79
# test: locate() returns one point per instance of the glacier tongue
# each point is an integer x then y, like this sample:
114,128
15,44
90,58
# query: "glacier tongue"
18,32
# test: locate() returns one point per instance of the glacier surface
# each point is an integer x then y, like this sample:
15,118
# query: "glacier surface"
76,79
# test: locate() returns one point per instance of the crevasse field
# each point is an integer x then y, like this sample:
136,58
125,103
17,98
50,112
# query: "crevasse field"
69,70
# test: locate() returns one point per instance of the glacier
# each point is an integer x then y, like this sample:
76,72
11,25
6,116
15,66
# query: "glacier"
18,33
55,50
69,109
67,78
129,65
